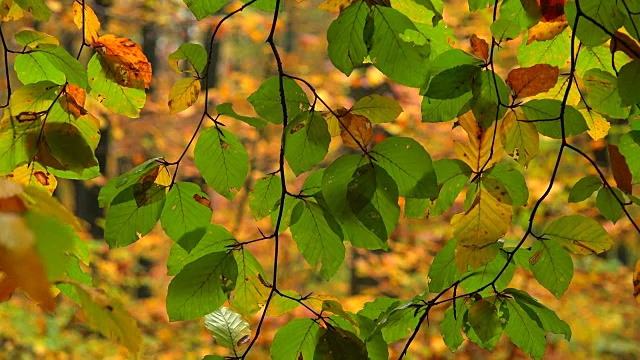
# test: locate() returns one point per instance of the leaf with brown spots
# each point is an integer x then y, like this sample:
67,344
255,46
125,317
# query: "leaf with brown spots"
478,152
480,47
34,175
126,59
626,44
354,129
73,99
544,31
533,80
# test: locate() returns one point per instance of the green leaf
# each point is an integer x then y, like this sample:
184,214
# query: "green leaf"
228,328
444,271
515,16
551,266
452,83
109,317
266,100
265,194
584,188
307,141
339,344
452,176
184,218
118,184
402,61
608,205
281,305
132,216
297,339
31,38
106,90
544,316
480,276
226,109
34,66
606,14
483,318
579,234
602,94
347,48
598,57
53,240
203,8
335,183
451,324
199,288
250,293
265,5
222,161
553,52
17,144
60,59
372,196
409,164
216,239
65,143
194,54
628,78
524,331
546,116
37,8
485,102
377,108
629,147
436,110
319,238
513,181
475,5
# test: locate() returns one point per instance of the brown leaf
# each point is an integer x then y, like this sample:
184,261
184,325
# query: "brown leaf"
626,44
126,59
620,170
551,9
73,100
480,47
544,30
354,129
202,200
533,80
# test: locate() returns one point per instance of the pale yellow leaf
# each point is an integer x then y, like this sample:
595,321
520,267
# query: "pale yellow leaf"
183,94
35,175
477,152
598,125
91,22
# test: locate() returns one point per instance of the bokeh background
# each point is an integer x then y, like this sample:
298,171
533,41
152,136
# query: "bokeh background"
599,305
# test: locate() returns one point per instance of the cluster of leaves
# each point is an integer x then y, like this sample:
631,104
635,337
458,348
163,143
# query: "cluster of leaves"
46,132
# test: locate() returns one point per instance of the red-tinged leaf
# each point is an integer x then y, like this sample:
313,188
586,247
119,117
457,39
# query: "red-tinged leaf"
547,30
626,44
533,80
126,59
551,9
620,170
480,47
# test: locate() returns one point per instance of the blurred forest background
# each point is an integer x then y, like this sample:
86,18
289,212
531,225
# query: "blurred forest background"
599,306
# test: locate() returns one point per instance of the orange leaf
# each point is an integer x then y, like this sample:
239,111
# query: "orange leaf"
20,262
620,170
480,47
91,22
73,100
126,59
533,80
551,9
354,129
544,31
629,46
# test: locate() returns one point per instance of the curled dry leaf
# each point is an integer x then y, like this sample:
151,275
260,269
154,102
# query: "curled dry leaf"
354,129
480,47
547,30
89,20
626,44
533,80
126,59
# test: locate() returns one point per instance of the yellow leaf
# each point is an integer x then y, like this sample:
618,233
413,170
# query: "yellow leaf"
35,175
486,221
520,139
598,125
108,316
474,256
91,22
354,129
543,31
9,11
332,123
335,5
183,94
476,153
